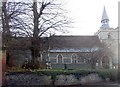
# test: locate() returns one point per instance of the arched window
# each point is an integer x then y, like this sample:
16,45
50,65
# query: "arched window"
109,35
84,60
59,58
74,58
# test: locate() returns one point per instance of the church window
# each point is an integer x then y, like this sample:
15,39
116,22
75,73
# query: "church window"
89,60
106,21
74,58
109,36
84,61
60,57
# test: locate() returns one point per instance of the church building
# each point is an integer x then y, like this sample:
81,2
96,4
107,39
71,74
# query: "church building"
75,52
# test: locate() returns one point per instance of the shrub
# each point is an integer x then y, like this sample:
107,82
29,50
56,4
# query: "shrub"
112,74
105,73
32,66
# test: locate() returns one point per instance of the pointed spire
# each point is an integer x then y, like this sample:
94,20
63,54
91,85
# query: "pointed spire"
105,20
104,16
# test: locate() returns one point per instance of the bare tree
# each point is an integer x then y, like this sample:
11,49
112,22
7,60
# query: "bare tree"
6,36
98,55
92,56
47,17
11,22
5,23
33,20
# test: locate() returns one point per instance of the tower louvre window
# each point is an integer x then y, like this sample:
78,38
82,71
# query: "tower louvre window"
109,36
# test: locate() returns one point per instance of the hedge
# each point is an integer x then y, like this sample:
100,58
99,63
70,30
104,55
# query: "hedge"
112,74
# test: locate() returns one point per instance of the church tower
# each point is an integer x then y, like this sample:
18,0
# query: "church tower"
108,36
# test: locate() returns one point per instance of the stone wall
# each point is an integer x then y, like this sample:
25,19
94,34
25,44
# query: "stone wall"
37,79
28,79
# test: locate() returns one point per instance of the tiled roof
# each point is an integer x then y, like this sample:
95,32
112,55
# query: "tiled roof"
58,42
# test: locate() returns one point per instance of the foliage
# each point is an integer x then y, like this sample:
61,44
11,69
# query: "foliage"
35,20
104,73
32,66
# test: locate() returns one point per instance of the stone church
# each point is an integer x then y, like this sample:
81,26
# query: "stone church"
76,52
72,51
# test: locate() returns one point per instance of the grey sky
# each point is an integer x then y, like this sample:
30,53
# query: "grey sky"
87,15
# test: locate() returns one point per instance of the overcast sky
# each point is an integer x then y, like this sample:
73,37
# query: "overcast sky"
87,15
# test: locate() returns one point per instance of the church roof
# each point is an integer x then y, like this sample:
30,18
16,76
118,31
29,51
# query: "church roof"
74,42
104,16
75,50
59,43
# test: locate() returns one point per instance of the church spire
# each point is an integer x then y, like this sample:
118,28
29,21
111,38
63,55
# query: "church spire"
104,20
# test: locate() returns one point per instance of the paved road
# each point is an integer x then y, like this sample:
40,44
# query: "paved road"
92,85
107,85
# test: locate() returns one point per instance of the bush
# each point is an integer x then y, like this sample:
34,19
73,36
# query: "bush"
111,74
105,73
32,66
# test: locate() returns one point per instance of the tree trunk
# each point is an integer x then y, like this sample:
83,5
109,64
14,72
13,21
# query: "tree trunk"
5,23
35,53
6,36
35,40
